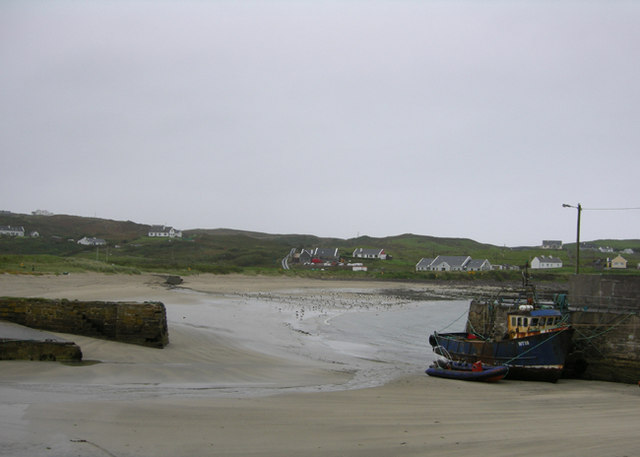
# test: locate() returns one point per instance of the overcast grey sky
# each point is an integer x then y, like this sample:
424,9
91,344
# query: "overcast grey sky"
473,119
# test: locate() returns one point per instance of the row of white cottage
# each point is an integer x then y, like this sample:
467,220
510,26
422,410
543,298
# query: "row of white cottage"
452,263
466,263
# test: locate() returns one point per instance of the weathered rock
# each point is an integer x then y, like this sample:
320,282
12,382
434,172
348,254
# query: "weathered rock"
173,280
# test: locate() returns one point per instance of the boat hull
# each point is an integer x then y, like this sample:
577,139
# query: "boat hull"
538,357
464,372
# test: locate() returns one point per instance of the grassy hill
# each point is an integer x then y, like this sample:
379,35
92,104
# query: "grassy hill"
76,227
226,250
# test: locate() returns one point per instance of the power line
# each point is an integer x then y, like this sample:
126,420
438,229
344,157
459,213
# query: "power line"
610,209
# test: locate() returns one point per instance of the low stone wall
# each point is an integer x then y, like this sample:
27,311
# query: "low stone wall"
128,322
39,350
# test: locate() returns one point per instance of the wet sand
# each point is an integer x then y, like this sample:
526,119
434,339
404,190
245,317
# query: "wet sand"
218,391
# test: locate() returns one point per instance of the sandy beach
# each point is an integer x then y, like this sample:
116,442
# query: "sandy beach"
248,373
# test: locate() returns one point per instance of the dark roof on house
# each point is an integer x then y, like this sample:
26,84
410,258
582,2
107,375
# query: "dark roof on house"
159,228
424,262
366,251
451,260
326,253
476,263
549,258
13,229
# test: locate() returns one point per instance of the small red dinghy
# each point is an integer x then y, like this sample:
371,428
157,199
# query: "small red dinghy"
467,371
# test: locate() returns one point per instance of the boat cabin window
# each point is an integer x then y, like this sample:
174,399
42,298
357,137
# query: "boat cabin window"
533,323
549,321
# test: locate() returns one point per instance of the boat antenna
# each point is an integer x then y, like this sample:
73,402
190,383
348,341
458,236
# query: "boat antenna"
528,288
525,275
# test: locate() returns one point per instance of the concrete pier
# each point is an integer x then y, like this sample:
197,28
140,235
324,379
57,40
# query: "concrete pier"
128,322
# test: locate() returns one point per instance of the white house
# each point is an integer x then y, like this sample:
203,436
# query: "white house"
41,212
11,231
542,262
450,263
444,263
551,244
164,232
326,254
304,256
619,262
86,241
363,253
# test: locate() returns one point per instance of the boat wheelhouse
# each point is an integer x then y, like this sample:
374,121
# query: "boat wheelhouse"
528,321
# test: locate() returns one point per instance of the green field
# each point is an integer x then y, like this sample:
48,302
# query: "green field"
222,251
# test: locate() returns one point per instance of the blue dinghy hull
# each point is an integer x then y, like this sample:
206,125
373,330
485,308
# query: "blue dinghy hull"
464,372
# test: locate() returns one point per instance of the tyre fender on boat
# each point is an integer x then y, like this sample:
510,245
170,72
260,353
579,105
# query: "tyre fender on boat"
433,341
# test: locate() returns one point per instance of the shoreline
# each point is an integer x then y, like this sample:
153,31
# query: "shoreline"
240,282
123,406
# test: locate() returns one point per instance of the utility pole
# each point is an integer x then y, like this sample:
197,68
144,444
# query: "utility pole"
579,208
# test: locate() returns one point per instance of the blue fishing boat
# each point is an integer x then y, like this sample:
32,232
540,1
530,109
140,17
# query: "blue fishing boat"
536,357
467,371
534,346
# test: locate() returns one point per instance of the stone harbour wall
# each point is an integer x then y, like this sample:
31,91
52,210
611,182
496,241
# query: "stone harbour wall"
606,345
603,292
128,322
604,312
